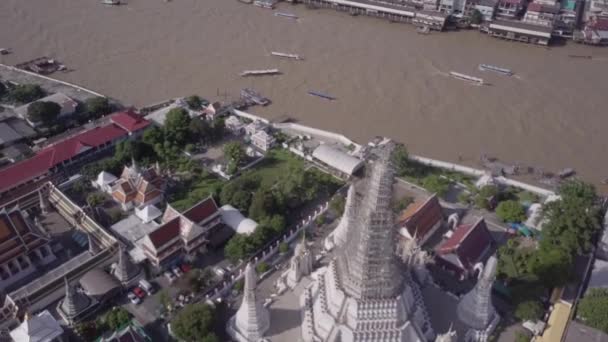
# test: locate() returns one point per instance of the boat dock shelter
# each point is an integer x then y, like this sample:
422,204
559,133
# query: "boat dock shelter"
519,31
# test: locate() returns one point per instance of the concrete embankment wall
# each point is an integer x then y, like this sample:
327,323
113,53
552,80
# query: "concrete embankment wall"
14,69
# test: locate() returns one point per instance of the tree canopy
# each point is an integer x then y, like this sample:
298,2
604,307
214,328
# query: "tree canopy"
43,112
476,17
177,125
195,323
117,317
235,153
511,211
194,102
436,184
529,310
25,93
593,309
97,106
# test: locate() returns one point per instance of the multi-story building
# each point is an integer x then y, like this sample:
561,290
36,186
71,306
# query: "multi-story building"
487,8
509,9
541,14
263,140
182,234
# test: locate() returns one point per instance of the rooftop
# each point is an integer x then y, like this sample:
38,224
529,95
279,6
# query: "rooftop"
42,327
337,159
420,217
57,153
129,121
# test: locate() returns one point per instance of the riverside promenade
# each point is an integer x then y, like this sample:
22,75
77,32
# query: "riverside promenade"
11,74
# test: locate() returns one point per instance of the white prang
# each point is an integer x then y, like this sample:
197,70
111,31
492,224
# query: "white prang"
301,264
363,295
475,309
340,234
252,320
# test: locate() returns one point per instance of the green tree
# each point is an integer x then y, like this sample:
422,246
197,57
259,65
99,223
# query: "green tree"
88,331
522,337
464,197
573,220
262,205
194,102
529,310
401,160
337,204
277,224
476,17
200,130
195,280
25,93
164,299
194,323
43,112
262,267
593,309
234,152
117,317
241,200
436,184
177,125
95,199
511,211
153,136
239,247
283,248
97,106
552,266
219,129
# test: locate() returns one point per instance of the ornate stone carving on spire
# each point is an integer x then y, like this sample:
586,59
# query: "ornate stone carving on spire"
93,246
449,336
126,271
44,202
73,303
416,259
252,320
301,263
371,242
475,309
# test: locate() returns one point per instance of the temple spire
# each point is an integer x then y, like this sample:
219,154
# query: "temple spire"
252,320
125,270
340,235
370,243
475,309
73,303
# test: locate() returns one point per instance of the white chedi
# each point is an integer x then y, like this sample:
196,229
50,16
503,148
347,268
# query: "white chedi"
252,320
301,263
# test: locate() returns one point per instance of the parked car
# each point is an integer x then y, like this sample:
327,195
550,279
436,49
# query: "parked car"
139,292
170,276
185,268
219,271
146,286
133,298
178,273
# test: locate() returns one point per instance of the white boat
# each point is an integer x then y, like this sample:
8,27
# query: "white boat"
268,4
4,51
286,55
457,75
260,72
286,15
502,71
110,2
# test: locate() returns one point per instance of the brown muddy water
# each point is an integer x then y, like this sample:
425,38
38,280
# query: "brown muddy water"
387,79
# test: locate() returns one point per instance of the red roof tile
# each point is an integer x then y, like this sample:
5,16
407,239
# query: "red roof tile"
165,233
55,154
202,210
130,121
420,217
468,242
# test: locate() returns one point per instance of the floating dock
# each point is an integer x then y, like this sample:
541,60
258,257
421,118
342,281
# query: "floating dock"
321,95
251,96
265,72
268,4
286,55
502,71
475,80
286,15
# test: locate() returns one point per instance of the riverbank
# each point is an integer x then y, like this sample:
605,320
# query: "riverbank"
550,115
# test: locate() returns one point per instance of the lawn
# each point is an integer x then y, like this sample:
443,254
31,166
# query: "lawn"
275,164
187,193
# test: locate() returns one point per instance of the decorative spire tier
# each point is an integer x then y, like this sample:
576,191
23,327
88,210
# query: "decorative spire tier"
252,320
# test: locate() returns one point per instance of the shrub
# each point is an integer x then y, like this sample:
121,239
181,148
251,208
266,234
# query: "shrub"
511,211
